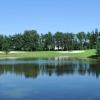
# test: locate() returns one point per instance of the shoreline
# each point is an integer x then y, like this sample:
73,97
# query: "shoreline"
48,54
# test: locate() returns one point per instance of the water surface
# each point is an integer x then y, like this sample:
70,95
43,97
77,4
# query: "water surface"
50,79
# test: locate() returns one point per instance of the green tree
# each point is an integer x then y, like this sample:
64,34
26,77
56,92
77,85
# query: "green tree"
6,45
48,41
17,42
93,39
59,38
68,39
98,46
1,42
31,38
81,39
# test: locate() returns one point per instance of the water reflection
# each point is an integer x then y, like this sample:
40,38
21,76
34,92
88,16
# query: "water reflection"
57,66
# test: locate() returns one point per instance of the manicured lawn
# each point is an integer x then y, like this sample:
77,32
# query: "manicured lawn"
86,54
36,54
47,54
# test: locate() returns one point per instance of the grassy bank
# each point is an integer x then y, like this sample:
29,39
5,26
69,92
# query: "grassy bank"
85,54
36,54
47,54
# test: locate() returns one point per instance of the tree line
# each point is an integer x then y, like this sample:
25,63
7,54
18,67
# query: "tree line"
31,40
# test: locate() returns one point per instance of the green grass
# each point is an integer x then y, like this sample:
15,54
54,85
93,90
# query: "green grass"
36,54
86,54
47,54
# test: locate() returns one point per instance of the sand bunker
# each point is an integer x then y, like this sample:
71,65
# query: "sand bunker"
75,51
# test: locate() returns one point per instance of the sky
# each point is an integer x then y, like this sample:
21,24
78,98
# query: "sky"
49,15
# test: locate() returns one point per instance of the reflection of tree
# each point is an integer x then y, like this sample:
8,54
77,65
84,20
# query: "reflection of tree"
49,69
65,69
83,67
28,70
94,69
33,70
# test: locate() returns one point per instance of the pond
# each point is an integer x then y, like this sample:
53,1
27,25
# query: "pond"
50,79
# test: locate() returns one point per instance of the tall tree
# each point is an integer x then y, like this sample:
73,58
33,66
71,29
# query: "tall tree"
98,46
68,39
81,39
17,42
93,40
6,45
59,40
30,40
48,41
1,42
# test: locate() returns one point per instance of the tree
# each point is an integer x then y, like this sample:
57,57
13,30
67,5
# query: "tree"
1,42
98,46
81,39
31,38
59,40
48,41
93,39
40,43
17,42
68,41
6,45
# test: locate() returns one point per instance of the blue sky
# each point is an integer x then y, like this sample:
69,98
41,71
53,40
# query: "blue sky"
49,15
